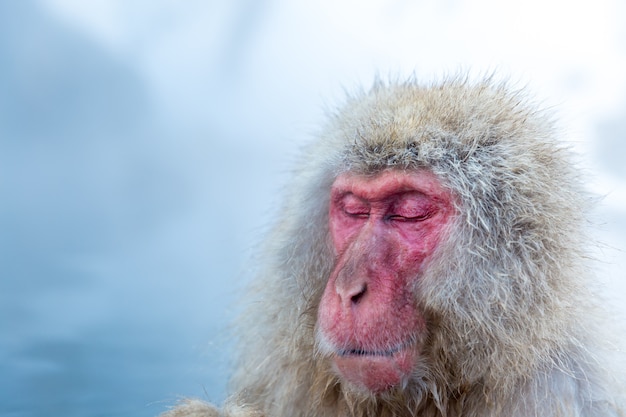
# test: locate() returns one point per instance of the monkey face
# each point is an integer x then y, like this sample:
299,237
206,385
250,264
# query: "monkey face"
383,229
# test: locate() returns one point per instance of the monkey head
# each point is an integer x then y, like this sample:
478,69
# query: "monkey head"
428,256
428,260
440,222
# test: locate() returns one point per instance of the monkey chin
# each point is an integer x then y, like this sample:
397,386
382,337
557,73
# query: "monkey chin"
375,372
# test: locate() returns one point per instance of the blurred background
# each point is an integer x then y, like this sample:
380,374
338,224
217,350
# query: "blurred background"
144,145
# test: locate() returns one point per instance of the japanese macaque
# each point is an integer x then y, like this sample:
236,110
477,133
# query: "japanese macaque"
429,261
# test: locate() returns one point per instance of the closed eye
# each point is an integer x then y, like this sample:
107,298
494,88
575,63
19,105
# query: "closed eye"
357,214
413,219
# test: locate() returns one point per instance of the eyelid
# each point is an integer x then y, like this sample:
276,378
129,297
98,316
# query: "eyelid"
356,213
353,206
414,219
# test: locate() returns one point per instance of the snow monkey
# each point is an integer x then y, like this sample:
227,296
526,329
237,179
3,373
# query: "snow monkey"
428,261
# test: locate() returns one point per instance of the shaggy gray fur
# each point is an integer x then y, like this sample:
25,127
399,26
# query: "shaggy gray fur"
511,329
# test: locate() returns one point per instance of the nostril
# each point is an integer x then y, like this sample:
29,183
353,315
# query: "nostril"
350,290
358,296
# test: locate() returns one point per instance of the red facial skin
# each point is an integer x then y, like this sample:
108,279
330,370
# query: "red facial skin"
383,229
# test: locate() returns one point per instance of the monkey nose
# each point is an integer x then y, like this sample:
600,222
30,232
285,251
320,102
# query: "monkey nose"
352,294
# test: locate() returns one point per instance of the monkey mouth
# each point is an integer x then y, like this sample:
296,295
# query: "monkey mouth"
376,370
363,352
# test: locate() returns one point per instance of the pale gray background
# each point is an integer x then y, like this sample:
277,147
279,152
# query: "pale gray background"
144,145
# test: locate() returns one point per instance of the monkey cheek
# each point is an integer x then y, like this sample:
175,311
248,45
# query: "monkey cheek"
374,373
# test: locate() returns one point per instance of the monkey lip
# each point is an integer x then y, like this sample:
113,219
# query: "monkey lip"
376,371
363,352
